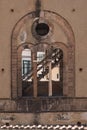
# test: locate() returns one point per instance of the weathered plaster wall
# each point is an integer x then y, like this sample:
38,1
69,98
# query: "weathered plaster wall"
42,118
73,11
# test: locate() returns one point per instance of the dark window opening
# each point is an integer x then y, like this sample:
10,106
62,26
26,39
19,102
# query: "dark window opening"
42,29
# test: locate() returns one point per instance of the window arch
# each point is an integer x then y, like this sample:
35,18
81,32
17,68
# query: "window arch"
68,51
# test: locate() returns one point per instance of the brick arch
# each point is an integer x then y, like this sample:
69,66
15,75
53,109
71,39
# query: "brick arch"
16,70
69,52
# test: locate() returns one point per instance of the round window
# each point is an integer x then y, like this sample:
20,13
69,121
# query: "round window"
42,29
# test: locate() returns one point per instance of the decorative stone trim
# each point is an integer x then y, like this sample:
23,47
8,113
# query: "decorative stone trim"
46,127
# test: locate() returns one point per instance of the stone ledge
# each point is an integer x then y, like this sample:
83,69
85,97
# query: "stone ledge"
53,104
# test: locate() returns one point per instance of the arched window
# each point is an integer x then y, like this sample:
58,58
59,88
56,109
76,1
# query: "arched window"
40,64
42,71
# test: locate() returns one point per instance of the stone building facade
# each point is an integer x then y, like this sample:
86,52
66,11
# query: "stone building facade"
57,29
